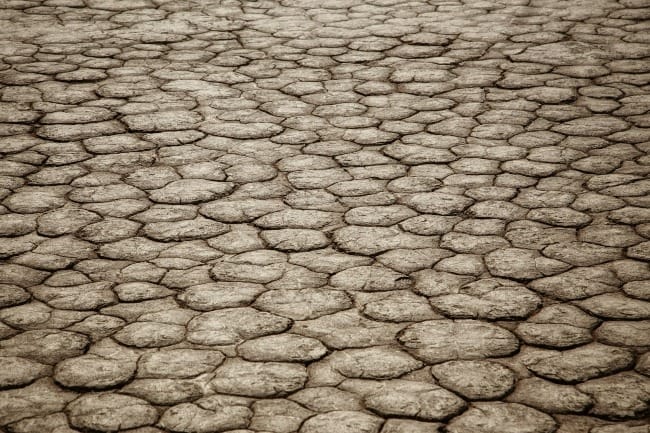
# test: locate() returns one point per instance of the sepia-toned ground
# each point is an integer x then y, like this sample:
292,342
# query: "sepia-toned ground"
324,216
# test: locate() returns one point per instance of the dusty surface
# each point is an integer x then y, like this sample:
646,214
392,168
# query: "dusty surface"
324,216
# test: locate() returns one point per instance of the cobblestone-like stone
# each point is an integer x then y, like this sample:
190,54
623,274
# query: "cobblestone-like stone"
259,379
579,364
436,341
488,299
110,412
475,380
21,371
549,397
40,398
209,414
287,216
502,417
233,325
407,398
623,395
344,421
109,365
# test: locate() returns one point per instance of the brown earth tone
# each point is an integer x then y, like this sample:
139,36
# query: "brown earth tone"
324,216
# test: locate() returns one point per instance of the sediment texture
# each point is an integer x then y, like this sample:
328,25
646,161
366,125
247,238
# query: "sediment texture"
324,216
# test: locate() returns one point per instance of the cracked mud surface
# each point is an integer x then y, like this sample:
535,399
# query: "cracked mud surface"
324,216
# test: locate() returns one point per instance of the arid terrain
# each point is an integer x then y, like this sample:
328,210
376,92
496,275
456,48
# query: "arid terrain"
324,216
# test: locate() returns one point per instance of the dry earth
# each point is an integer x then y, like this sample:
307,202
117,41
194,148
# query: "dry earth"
324,216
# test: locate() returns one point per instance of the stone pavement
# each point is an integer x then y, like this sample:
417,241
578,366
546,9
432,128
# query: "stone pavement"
325,216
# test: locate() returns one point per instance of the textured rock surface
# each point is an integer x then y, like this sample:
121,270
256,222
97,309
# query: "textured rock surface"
335,216
502,417
443,340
